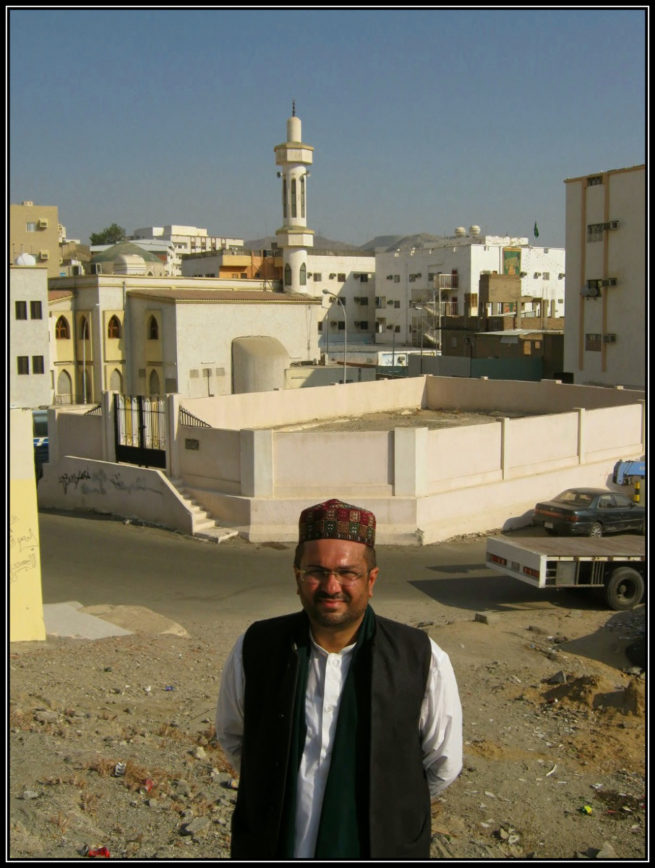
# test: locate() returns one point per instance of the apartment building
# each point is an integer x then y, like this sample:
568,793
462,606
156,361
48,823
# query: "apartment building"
419,285
605,334
29,353
185,240
34,229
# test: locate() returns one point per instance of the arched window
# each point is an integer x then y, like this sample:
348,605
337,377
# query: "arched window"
303,275
285,210
287,275
153,329
62,329
64,388
294,201
154,383
116,381
84,328
114,327
302,196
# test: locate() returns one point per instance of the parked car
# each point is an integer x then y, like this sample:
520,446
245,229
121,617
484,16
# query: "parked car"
41,445
590,512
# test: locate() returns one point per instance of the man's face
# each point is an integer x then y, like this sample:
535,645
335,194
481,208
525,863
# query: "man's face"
329,603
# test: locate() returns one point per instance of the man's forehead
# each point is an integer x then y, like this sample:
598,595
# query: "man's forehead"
333,548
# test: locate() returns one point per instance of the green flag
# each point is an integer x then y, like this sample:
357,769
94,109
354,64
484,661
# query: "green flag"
536,230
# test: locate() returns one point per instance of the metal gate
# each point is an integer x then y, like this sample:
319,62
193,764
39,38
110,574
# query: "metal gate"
141,425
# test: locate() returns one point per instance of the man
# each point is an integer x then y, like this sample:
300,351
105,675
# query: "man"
341,723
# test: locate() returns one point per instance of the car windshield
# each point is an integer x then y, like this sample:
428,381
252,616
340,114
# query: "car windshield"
575,498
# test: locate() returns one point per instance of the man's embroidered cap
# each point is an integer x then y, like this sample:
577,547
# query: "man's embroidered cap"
334,519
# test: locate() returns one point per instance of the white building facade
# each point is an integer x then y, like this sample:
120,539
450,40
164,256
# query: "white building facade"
448,270
605,334
29,355
185,240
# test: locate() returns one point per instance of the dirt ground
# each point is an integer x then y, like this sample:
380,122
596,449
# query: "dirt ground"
407,418
554,764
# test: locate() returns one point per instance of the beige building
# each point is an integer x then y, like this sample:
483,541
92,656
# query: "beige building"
34,229
605,335
29,350
143,335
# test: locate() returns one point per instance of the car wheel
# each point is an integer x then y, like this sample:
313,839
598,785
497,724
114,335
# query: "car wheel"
596,529
624,589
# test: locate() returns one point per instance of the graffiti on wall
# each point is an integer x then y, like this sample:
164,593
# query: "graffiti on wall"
103,483
24,547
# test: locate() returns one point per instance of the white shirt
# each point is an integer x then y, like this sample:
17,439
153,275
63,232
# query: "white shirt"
440,726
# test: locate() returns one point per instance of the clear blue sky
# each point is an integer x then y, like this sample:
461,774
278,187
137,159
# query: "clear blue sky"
421,119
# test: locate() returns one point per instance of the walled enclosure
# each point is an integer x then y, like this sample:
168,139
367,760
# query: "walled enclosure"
424,485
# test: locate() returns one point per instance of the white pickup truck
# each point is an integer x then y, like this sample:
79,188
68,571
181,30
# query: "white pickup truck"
615,564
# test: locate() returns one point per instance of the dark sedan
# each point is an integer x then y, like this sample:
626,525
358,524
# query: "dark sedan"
590,512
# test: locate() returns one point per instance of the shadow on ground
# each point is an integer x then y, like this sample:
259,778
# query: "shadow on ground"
494,592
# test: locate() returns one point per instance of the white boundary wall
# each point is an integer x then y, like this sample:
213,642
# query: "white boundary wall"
423,485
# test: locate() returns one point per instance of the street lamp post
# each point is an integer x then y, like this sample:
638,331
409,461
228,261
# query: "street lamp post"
85,331
345,330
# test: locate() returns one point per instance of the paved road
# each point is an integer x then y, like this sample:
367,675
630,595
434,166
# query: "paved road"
204,586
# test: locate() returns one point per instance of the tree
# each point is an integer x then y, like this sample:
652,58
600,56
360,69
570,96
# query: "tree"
111,235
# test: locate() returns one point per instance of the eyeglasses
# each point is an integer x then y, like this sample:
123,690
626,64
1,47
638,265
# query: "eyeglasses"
314,575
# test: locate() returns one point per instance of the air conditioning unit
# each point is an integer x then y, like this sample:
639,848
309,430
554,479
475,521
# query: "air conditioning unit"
609,339
44,254
42,223
613,224
609,281
590,291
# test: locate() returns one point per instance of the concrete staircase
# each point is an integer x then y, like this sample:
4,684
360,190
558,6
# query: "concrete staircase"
204,526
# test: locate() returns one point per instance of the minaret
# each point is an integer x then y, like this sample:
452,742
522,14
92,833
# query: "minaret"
294,237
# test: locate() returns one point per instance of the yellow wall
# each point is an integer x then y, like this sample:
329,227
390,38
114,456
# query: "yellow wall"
25,599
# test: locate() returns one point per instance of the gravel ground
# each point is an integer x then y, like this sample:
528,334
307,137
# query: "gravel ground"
111,743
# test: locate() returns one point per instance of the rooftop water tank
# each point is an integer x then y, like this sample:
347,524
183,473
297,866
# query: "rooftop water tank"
474,230
460,231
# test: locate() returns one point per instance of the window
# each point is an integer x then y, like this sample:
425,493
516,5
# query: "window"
287,275
396,304
21,310
592,342
396,278
546,275
303,275
35,310
341,277
318,275
37,365
23,364
342,326
294,204
62,329
30,226
454,279
114,327
593,180
153,329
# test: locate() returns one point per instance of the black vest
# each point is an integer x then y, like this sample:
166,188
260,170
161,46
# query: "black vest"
399,799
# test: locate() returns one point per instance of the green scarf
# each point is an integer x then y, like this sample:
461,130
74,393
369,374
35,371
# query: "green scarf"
343,829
